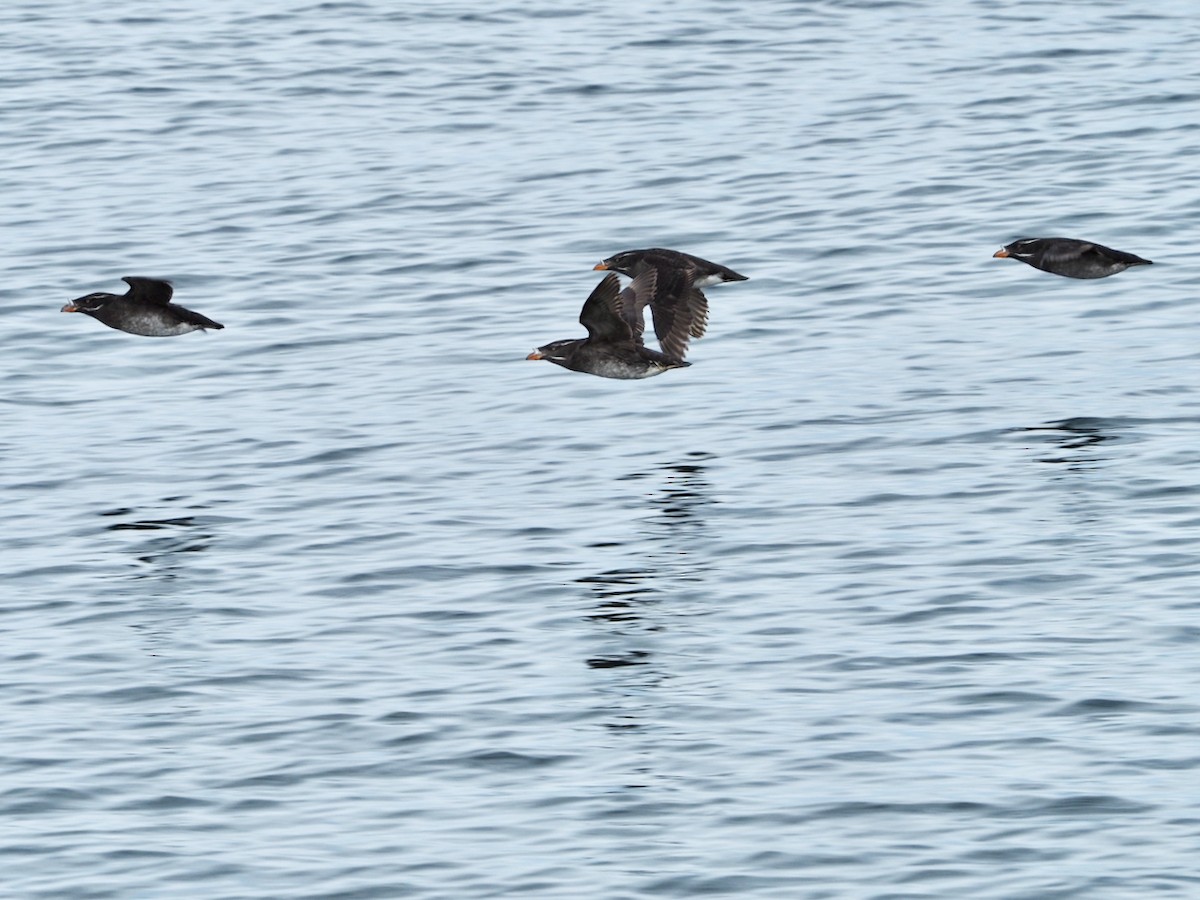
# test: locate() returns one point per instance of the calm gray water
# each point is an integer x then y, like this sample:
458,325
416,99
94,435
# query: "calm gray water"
895,593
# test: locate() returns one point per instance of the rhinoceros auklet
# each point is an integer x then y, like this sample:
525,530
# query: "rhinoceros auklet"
1070,257
145,309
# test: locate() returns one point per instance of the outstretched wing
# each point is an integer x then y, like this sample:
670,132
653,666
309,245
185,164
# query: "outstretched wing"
152,290
680,311
601,313
634,299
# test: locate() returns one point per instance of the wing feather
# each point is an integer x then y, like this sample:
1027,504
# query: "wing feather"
153,290
601,313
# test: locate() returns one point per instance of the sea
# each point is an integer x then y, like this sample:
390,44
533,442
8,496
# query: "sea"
894,593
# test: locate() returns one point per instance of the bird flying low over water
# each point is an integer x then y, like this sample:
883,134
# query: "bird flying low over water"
1069,257
145,309
613,347
678,295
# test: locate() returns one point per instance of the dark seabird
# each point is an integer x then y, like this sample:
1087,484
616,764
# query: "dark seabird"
613,347
680,279
146,309
1069,257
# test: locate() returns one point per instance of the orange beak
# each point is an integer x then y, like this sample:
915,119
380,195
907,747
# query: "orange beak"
69,308
1000,254
535,355
599,267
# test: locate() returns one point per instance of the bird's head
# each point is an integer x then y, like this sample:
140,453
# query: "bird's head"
556,351
89,304
621,262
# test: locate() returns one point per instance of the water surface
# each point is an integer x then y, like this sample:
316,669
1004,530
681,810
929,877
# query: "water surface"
891,594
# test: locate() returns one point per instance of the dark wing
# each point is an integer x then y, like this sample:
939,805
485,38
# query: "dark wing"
1118,255
679,310
634,299
686,321
152,290
601,314
698,310
1064,250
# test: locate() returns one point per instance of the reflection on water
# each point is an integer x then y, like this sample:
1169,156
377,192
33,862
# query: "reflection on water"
1077,440
171,538
666,560
632,658
685,492
158,575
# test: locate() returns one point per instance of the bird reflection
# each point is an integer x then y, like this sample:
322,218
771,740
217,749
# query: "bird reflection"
169,539
159,543
632,658
1078,440
667,560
